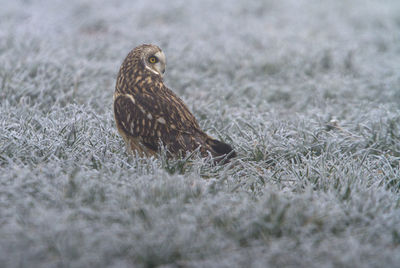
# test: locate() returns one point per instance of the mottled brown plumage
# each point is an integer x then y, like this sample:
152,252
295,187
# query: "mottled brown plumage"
149,114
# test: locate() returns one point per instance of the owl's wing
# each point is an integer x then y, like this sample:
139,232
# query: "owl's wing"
132,121
154,120
168,107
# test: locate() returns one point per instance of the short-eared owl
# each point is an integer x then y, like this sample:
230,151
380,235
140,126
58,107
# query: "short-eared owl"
148,114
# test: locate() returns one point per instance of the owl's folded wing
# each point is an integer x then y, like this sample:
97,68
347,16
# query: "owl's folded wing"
151,125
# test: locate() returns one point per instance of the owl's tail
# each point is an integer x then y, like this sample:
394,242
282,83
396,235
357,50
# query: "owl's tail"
220,148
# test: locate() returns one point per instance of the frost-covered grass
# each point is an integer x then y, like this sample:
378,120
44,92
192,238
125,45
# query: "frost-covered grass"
307,92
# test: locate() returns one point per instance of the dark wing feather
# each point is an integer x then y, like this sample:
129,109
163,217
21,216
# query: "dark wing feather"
139,117
134,122
221,148
162,102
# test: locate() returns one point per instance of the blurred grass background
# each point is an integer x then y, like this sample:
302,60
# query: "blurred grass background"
307,92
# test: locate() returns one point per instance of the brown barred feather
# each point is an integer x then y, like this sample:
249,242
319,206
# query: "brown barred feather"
148,114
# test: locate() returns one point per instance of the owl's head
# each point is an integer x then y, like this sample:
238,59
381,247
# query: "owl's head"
152,58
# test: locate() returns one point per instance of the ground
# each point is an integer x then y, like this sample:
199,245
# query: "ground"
307,92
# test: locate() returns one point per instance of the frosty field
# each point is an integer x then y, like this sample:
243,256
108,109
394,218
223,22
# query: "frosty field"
307,92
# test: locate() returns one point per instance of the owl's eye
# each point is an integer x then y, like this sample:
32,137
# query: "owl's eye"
153,59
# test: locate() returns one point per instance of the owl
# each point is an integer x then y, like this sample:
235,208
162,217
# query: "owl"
149,115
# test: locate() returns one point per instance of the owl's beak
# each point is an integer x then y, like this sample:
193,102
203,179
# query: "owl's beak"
160,71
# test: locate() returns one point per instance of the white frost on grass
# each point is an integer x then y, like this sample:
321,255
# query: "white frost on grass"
307,92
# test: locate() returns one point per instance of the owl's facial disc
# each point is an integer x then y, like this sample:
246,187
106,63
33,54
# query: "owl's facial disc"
156,63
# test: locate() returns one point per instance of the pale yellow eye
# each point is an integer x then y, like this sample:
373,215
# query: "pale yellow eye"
153,59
